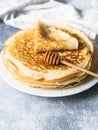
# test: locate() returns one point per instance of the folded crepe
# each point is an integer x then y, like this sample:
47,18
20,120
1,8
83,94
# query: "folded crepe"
25,65
47,38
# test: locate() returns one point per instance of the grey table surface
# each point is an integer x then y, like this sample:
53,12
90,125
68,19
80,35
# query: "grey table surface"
20,111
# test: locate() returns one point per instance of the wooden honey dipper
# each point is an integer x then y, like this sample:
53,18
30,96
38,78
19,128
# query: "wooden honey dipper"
53,58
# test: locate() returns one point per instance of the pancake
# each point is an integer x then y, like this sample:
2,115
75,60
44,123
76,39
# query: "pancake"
26,65
49,38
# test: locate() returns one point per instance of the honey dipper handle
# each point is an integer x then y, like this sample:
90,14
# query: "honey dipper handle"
78,68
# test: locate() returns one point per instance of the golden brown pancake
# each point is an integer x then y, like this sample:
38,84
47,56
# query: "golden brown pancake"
49,38
29,67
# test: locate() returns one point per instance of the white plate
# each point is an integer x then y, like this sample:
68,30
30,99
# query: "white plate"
90,82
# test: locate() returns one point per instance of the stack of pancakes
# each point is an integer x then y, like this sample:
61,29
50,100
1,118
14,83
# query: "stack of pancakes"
24,53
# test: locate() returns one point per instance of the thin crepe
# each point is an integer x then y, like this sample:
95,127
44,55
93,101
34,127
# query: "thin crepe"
49,38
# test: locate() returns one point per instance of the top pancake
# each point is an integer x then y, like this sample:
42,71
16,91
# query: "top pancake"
49,38
23,50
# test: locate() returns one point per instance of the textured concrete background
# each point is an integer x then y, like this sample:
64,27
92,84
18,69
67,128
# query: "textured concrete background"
20,111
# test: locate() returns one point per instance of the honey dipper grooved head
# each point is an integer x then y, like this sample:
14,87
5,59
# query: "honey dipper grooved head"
52,58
